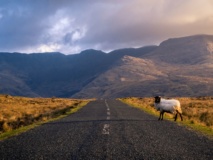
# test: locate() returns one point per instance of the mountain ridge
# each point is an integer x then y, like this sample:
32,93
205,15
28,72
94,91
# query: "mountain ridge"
196,49
178,66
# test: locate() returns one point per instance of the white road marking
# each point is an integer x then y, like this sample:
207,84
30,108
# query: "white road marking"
106,126
108,110
107,105
105,129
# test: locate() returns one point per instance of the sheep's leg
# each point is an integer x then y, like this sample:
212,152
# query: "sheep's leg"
162,115
181,116
175,116
159,116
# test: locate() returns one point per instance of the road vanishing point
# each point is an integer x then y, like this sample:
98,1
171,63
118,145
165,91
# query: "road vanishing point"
108,130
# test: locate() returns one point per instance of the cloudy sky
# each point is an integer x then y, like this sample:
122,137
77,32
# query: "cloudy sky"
70,26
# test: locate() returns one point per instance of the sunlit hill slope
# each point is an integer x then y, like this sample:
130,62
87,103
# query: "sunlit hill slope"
177,67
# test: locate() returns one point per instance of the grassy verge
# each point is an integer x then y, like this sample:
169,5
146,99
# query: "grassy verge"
197,112
28,118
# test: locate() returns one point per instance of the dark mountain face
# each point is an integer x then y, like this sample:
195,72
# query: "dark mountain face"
52,74
178,67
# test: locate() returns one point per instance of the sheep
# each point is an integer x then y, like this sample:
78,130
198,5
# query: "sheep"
169,106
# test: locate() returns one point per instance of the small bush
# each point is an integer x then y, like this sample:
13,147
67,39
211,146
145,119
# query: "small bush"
6,127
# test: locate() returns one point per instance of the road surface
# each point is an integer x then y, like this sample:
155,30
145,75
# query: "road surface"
108,129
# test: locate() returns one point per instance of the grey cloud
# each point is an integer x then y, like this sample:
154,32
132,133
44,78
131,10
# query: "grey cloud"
142,25
68,38
105,25
21,24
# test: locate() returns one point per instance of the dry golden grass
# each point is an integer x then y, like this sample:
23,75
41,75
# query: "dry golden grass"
21,111
196,110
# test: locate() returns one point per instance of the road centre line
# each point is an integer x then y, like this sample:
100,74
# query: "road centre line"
108,110
106,126
107,105
105,129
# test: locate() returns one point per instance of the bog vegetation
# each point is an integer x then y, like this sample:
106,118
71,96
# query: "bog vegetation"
16,112
196,111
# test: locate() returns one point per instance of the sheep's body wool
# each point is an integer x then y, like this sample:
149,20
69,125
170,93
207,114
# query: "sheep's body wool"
170,105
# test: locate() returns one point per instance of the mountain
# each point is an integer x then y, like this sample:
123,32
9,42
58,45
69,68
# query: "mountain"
143,77
50,74
53,74
186,50
177,67
125,73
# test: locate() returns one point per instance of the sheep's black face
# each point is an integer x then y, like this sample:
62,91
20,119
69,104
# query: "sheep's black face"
157,99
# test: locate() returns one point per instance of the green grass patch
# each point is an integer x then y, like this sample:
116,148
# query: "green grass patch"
60,115
197,127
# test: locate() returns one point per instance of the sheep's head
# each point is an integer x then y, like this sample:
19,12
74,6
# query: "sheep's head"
157,99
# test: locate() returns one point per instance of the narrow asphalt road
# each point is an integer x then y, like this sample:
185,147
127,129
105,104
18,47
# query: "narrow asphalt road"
108,129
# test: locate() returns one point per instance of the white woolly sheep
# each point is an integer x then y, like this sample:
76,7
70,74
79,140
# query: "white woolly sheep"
169,106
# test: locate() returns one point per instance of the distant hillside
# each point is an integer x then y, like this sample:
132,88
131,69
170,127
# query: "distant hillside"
177,67
143,77
127,72
186,50
54,74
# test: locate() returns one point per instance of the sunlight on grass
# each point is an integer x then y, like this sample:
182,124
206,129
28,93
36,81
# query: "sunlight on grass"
18,114
197,112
